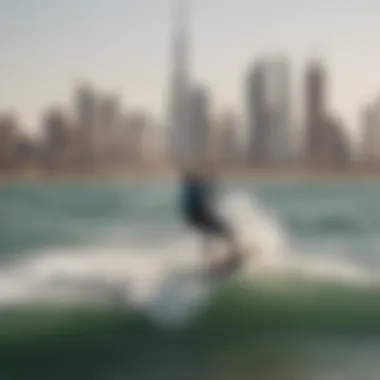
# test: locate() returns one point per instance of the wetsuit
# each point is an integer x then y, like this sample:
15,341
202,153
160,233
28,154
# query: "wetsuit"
197,209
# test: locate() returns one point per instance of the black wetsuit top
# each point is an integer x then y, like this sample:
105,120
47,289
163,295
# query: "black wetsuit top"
195,197
197,200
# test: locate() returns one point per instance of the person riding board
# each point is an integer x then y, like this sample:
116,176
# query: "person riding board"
197,207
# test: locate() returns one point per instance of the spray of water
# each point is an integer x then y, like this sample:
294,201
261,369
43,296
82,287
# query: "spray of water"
168,282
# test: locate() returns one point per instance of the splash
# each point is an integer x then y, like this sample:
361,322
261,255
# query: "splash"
167,282
256,228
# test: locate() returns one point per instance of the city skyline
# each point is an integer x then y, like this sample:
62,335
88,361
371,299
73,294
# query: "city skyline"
47,46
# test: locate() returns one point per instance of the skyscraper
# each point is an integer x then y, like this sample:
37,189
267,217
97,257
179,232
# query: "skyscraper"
108,113
136,124
107,127
337,151
257,115
278,98
316,128
178,118
9,131
57,139
371,133
199,118
86,103
268,103
86,106
228,144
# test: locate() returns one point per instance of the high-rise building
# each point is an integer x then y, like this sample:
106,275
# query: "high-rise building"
178,118
228,147
108,113
269,111
152,139
257,115
109,129
199,133
57,140
28,153
337,151
86,112
370,119
136,126
86,103
279,104
316,129
8,141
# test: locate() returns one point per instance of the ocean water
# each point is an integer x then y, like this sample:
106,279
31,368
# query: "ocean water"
103,281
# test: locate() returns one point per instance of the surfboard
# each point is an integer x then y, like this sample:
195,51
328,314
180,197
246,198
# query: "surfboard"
223,264
227,266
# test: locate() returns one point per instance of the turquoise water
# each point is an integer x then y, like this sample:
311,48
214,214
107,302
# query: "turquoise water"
102,281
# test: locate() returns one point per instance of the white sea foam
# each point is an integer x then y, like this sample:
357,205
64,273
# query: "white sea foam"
167,281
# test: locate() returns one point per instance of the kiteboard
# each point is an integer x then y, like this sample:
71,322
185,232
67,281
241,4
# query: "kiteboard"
228,265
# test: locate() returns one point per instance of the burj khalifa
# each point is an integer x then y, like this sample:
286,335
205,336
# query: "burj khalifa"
179,91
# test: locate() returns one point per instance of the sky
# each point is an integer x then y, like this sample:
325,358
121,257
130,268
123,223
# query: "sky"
123,46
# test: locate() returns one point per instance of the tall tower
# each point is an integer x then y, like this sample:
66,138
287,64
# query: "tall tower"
258,114
278,97
200,128
228,142
268,107
86,103
371,131
178,118
9,130
316,135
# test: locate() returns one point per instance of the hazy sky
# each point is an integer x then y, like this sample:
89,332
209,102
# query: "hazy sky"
123,45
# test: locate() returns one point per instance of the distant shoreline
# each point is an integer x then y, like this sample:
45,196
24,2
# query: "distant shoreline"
167,173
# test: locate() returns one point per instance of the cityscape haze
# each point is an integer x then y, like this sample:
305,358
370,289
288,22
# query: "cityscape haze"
271,129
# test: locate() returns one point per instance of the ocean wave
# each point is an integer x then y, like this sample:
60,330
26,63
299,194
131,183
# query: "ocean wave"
285,306
164,288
